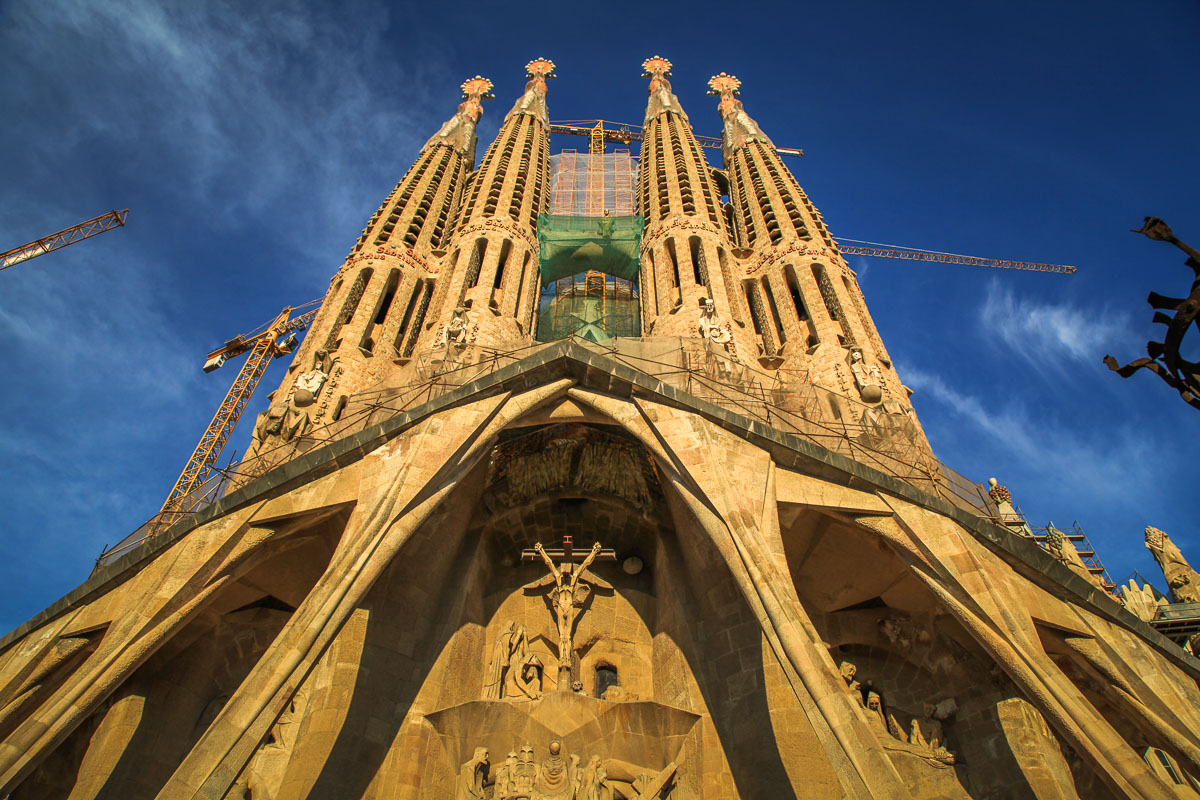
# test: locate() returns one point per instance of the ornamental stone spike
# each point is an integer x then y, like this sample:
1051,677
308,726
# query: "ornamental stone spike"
1182,580
533,101
459,130
740,128
662,98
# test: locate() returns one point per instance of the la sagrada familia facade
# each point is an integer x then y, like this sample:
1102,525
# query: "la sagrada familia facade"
701,549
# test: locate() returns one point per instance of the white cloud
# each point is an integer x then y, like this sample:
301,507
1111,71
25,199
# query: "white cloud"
1049,334
1051,446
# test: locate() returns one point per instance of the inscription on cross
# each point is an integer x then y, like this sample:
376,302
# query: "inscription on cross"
567,592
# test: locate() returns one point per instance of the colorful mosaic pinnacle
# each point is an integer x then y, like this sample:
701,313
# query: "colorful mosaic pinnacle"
656,67
540,68
727,88
478,87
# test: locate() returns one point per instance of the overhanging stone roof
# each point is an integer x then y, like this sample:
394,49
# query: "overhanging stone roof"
566,359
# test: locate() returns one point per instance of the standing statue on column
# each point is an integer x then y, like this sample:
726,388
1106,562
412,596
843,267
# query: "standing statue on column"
1181,578
566,598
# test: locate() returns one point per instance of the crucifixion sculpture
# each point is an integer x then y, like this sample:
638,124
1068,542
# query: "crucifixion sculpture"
567,594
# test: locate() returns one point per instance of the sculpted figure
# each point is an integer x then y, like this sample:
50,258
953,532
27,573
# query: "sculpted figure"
513,671
455,331
557,777
309,384
506,775
525,774
472,776
1181,578
848,671
567,596
866,377
875,709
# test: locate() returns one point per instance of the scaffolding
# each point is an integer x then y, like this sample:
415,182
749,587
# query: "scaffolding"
1083,547
587,185
589,246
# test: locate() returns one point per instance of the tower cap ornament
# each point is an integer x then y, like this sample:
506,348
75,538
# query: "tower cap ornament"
656,67
727,87
542,68
478,87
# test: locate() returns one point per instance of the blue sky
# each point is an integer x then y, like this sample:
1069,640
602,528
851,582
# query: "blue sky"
253,140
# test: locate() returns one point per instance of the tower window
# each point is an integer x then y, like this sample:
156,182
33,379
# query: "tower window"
606,676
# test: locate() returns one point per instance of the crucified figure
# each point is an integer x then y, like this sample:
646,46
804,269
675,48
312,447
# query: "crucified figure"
566,598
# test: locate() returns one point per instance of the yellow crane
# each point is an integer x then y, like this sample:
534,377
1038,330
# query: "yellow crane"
624,133
55,241
263,345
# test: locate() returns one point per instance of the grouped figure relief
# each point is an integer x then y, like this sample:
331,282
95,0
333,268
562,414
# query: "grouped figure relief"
924,736
292,417
1181,578
514,671
560,777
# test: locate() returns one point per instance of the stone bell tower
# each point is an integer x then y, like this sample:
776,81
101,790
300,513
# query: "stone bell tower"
489,281
701,563
686,261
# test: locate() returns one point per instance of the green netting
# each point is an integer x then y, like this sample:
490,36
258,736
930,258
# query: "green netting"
592,306
570,245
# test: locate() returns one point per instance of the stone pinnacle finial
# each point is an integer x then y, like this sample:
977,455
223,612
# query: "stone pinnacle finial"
459,130
533,101
1182,580
740,128
727,87
662,99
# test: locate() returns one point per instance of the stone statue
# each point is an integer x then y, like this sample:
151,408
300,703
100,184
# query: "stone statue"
1165,359
848,671
525,773
455,331
566,598
867,378
309,384
875,709
506,775
557,777
472,776
711,326
513,670
1181,578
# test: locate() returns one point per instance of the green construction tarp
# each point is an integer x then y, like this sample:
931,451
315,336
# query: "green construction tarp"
570,245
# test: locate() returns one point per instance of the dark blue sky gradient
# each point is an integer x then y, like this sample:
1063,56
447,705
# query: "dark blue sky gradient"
253,140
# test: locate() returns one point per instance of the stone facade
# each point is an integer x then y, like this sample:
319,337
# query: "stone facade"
568,576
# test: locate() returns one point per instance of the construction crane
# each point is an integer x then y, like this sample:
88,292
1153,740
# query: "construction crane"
55,241
914,254
263,345
624,133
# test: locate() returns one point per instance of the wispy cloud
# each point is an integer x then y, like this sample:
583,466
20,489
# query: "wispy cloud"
1043,441
1050,335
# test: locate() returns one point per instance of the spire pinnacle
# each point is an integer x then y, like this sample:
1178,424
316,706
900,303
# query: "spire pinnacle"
459,130
658,70
533,102
740,129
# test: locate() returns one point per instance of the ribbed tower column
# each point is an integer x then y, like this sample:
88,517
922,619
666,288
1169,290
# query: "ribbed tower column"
372,315
685,258
492,267
806,306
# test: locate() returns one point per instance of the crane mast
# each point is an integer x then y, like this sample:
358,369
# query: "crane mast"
263,347
55,241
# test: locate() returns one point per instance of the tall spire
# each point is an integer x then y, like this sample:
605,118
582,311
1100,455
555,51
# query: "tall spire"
658,70
533,101
459,130
740,128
